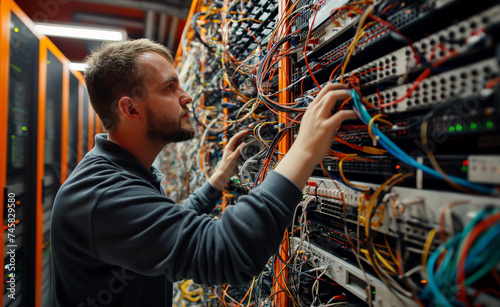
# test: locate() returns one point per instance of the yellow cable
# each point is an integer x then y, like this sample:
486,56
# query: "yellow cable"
192,296
250,294
244,19
426,249
390,251
373,264
390,182
370,124
384,264
350,51
359,33
384,261
373,150
372,201
344,178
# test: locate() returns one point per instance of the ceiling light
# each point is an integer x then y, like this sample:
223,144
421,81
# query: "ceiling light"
78,66
81,32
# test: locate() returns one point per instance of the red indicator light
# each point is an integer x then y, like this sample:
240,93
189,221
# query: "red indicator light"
397,166
465,163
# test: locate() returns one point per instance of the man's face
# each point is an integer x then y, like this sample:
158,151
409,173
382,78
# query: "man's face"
166,102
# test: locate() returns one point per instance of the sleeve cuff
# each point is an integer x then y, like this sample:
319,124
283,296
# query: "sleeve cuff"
283,188
210,192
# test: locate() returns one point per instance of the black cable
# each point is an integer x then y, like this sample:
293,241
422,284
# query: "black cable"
197,34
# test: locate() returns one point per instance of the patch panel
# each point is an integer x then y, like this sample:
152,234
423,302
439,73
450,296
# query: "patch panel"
381,168
464,122
433,48
352,278
324,11
460,82
326,30
249,34
315,184
418,210
376,43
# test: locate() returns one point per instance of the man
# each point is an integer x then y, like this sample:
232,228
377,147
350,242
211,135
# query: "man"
117,239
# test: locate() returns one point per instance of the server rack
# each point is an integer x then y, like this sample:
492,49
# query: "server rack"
430,69
19,90
53,98
84,120
41,141
74,127
91,126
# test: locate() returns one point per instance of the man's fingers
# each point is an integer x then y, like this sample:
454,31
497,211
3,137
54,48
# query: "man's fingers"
327,89
331,98
341,116
235,139
238,149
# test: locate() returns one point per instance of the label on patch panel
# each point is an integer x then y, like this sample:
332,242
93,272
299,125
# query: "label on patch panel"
484,169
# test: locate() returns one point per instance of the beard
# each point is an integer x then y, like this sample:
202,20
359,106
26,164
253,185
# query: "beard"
167,129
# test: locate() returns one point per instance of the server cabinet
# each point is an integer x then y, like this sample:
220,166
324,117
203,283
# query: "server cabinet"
85,124
18,141
53,98
41,131
91,120
73,123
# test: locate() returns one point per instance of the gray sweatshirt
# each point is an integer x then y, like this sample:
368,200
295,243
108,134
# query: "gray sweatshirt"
118,240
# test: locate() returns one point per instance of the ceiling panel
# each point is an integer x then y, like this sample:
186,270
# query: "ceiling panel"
152,18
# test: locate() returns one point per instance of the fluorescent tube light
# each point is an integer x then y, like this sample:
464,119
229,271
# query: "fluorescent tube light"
81,32
78,66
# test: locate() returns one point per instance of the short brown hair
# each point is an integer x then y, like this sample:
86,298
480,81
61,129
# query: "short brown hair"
113,72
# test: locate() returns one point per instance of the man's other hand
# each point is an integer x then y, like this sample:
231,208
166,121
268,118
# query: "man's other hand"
229,163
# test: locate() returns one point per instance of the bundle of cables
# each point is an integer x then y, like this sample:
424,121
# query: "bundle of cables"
397,152
454,268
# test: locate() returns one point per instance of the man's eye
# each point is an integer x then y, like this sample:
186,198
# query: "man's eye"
170,87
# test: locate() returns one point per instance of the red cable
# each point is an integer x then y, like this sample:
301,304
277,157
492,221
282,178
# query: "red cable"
481,226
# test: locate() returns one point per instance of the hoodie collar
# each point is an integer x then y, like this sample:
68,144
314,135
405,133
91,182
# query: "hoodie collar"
122,158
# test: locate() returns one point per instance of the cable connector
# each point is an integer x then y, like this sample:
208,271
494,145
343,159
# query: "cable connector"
279,126
373,150
313,41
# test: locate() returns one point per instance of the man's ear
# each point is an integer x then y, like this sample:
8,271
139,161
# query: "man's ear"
129,108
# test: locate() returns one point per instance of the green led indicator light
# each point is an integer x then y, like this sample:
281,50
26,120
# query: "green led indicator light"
16,29
48,62
459,127
16,68
473,126
489,124
451,129
12,136
464,169
24,128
